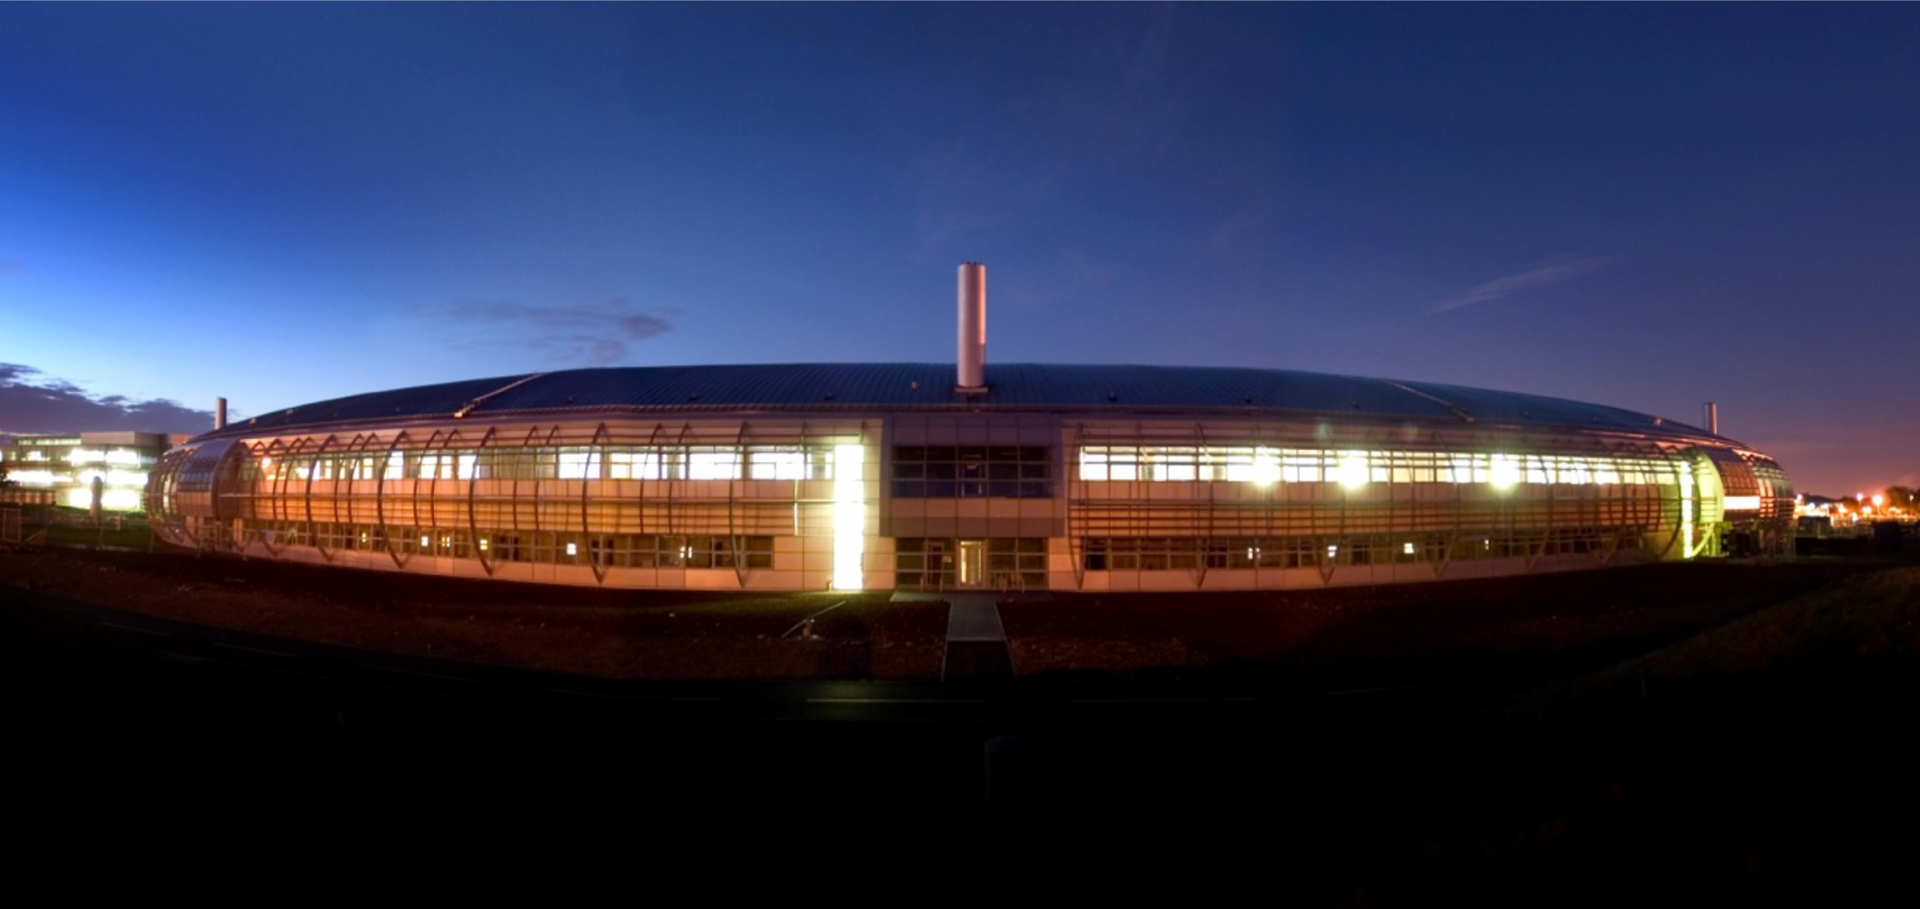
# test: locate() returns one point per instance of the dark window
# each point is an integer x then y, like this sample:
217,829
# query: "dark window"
972,471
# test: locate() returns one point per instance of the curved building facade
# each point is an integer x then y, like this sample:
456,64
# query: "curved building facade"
796,477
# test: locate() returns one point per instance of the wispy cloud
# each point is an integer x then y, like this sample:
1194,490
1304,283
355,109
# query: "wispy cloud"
1120,104
32,402
1552,271
956,198
596,333
1113,100
1242,222
1074,274
1145,54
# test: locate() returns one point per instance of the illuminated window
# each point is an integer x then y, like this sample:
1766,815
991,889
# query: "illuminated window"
633,465
1304,467
1101,462
713,465
1173,464
579,464
1538,470
776,464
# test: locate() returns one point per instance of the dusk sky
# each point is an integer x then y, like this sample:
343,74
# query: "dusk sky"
1643,205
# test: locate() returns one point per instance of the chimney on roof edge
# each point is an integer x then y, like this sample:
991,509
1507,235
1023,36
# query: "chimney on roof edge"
219,413
973,327
1713,418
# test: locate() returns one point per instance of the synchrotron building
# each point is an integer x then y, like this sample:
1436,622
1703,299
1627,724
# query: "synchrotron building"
942,476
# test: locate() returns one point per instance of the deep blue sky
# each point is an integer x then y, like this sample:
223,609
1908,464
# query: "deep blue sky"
1649,206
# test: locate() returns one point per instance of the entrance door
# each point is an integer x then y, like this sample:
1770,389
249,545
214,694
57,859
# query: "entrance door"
972,569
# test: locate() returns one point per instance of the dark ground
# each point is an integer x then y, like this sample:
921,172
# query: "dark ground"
1359,747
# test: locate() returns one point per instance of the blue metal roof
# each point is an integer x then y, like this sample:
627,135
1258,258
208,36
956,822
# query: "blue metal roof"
816,387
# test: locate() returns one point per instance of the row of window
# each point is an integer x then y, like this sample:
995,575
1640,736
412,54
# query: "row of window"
130,479
933,563
752,462
1190,553
121,456
1255,464
609,550
972,471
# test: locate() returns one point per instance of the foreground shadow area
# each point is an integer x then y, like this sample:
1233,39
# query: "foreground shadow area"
1783,785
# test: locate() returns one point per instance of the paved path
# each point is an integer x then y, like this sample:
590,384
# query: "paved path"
976,640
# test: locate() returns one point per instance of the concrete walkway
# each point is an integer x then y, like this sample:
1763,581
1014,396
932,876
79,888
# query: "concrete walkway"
976,640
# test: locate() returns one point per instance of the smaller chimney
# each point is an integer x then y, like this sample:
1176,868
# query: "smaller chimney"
973,327
219,414
1713,418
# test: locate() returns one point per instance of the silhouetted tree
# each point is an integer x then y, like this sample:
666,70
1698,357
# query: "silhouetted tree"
1903,497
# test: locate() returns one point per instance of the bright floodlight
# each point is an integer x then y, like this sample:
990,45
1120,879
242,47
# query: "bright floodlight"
1506,472
1353,469
1266,467
849,516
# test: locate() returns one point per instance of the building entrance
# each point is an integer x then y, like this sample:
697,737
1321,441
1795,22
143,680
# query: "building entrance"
998,563
971,570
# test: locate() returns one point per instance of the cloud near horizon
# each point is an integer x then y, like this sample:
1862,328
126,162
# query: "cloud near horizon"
1552,271
597,333
32,403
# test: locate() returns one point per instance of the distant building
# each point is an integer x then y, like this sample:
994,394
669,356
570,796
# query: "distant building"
60,469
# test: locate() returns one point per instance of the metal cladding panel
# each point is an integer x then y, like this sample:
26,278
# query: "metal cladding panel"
437,400
915,386
782,385
1216,387
1515,407
908,385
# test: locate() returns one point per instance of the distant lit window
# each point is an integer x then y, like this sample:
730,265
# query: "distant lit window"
579,464
713,465
776,464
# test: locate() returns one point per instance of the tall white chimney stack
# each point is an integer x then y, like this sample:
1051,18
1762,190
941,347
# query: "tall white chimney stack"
219,413
973,327
1713,418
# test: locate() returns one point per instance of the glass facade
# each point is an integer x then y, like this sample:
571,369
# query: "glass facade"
522,502
789,503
